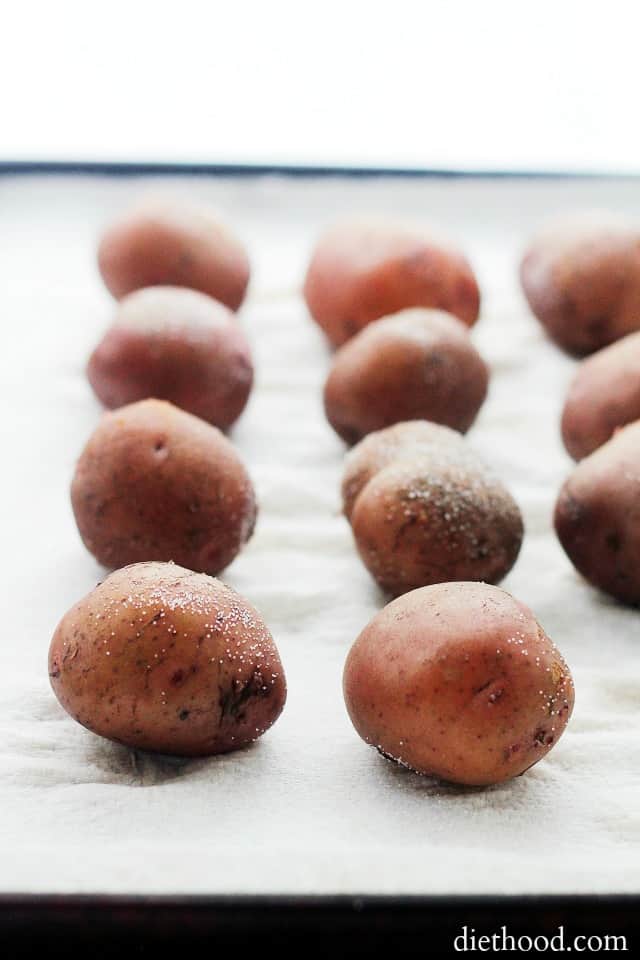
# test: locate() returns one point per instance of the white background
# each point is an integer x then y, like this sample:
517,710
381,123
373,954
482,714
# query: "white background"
492,84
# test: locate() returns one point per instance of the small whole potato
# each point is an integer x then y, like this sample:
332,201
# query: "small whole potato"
361,271
415,365
402,441
174,344
156,483
597,516
458,681
604,395
161,658
167,242
582,281
430,516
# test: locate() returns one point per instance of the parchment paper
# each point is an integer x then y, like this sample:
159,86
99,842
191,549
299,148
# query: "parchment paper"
309,808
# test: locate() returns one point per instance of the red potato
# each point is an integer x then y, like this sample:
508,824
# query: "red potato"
597,516
161,658
458,681
402,441
604,395
174,344
424,521
582,281
361,271
155,483
415,365
166,242
424,509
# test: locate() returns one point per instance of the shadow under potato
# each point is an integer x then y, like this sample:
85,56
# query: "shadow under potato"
144,768
399,776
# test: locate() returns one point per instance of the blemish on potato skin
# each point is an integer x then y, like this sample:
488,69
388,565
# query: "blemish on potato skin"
613,541
233,702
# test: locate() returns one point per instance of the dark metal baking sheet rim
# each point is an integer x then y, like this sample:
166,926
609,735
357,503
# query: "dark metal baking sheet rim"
106,922
343,924
146,169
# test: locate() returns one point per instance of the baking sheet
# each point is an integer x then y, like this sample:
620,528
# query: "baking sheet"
309,808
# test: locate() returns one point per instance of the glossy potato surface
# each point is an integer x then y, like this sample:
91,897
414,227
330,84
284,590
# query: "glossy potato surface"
458,681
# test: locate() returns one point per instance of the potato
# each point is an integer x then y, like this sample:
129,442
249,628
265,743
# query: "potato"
604,395
458,681
401,441
435,515
174,344
160,658
156,483
582,281
597,516
417,364
166,242
361,271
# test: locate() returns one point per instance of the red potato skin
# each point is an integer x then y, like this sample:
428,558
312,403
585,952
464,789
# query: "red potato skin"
415,365
166,243
431,520
402,441
604,395
155,483
160,658
583,283
597,516
174,344
458,681
360,272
